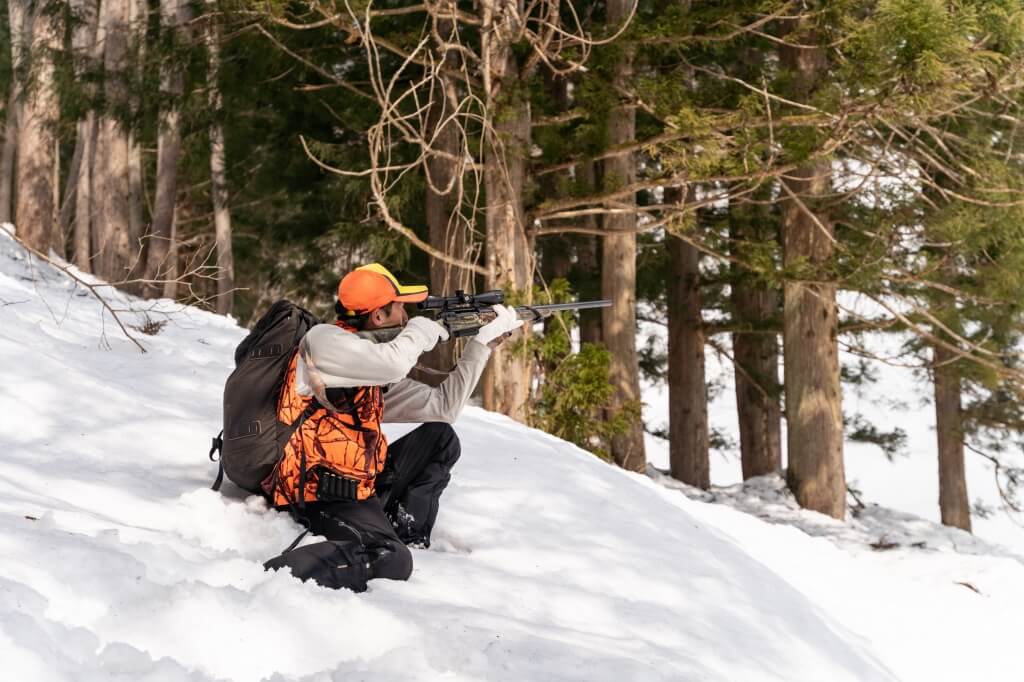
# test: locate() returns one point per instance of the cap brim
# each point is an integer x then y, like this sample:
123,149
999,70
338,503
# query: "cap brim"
411,294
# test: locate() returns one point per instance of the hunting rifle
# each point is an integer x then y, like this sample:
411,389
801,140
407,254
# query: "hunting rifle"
463,314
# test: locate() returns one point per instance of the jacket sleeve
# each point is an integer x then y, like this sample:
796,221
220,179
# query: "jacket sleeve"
335,358
413,401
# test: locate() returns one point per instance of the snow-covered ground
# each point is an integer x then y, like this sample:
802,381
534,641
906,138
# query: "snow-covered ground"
118,562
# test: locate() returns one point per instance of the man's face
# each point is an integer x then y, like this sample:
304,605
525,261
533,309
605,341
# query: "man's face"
391,315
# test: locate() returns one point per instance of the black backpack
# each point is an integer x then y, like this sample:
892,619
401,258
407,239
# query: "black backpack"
253,440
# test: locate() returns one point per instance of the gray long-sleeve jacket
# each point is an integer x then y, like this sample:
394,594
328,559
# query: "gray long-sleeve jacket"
331,357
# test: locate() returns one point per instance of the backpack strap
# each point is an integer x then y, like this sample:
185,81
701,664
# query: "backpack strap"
300,504
310,410
218,443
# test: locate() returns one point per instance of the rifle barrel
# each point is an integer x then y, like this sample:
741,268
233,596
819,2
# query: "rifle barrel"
539,312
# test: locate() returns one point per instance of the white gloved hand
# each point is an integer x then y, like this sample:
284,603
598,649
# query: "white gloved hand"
431,330
504,322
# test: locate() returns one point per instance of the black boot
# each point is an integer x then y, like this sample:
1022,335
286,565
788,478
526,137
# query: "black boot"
406,528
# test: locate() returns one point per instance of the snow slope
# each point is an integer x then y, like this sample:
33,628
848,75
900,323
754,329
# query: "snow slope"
118,562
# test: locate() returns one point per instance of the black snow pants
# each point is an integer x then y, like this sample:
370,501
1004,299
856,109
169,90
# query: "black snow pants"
369,538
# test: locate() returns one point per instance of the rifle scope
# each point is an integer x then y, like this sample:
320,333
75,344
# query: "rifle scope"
462,300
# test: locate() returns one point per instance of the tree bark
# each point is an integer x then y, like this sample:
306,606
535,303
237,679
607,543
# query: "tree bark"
136,219
173,14
67,204
755,356
171,269
78,206
35,211
448,231
16,15
137,12
218,176
508,253
953,503
58,239
687,390
112,225
618,265
85,204
7,152
588,260
814,417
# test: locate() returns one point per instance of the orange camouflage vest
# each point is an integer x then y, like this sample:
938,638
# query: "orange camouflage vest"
335,441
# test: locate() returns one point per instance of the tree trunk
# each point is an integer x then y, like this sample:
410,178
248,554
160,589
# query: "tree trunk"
814,417
136,219
218,176
137,12
16,14
37,143
755,355
171,269
509,253
58,240
173,13
7,154
112,225
588,261
448,231
618,266
85,204
67,204
953,502
687,390
78,207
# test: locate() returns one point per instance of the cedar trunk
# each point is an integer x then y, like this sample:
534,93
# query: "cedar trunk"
618,265
953,502
509,252
84,200
172,14
814,416
588,260
35,209
67,204
137,11
688,401
448,231
79,201
218,177
755,307
16,15
172,268
112,224
10,144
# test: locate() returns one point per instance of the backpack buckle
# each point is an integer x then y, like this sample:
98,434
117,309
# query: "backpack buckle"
216,446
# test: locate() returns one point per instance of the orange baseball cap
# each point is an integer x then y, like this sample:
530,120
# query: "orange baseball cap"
372,286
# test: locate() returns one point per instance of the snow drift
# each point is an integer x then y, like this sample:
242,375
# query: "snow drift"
118,562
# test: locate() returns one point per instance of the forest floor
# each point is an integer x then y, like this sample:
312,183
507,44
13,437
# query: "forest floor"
118,562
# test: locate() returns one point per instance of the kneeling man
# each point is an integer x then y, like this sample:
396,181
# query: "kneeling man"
352,484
